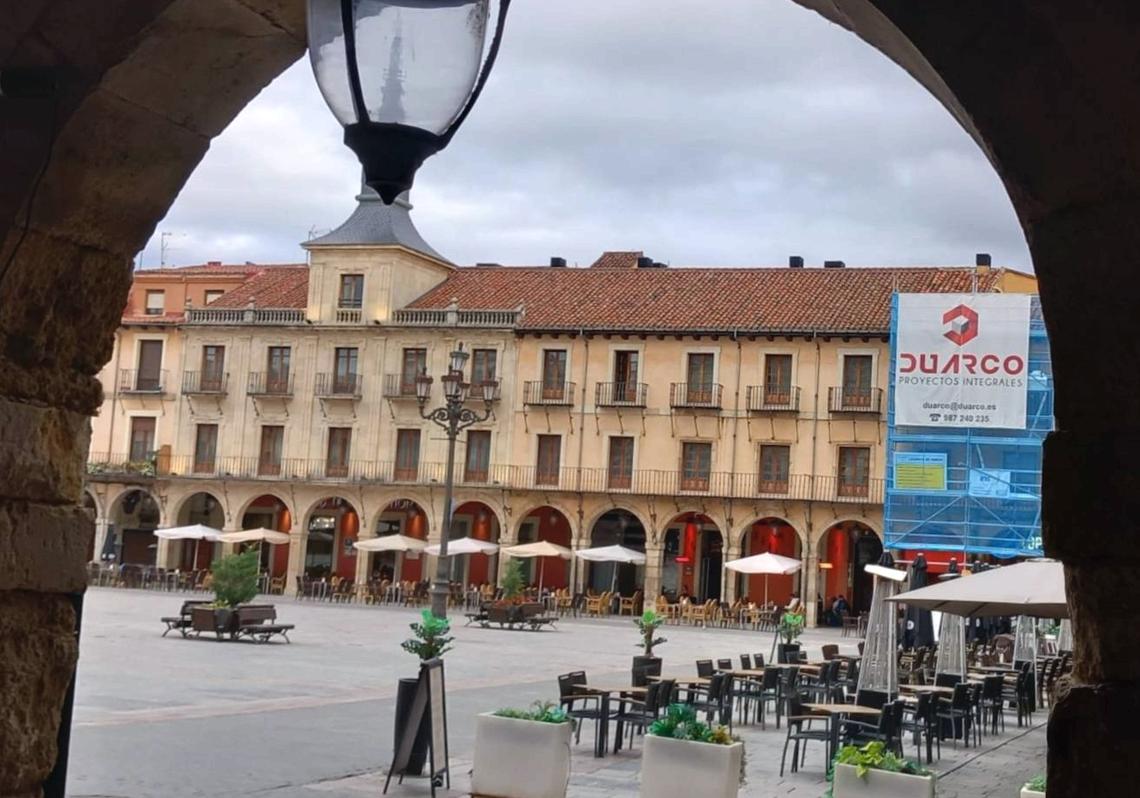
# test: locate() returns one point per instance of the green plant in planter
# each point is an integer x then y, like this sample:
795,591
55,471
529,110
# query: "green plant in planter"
540,712
872,756
791,624
1037,783
430,639
680,723
513,579
235,579
648,624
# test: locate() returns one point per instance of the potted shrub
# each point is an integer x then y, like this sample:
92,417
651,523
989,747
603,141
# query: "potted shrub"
791,624
522,753
234,583
1035,787
681,752
431,641
874,772
647,624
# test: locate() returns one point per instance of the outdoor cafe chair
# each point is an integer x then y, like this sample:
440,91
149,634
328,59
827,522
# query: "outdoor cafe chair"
724,664
574,698
958,712
714,700
757,661
705,668
922,726
769,694
745,662
992,704
830,651
888,730
638,715
800,730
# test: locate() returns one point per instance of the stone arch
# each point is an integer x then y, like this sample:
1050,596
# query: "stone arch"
820,544
115,499
741,533
550,523
179,504
702,576
95,501
561,507
132,526
752,539
244,505
397,514
628,507
315,504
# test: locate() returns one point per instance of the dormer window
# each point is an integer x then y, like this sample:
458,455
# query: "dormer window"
155,303
351,292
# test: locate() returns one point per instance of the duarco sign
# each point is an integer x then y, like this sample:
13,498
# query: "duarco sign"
960,360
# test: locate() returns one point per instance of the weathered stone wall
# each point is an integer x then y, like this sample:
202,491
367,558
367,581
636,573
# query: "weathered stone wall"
85,174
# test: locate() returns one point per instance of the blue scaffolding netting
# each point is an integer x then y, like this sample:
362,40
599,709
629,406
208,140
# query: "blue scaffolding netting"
991,500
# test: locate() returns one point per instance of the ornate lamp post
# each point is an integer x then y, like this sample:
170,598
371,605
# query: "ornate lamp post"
401,76
453,417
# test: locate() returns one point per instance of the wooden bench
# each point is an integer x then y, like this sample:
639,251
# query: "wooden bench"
259,622
182,621
520,616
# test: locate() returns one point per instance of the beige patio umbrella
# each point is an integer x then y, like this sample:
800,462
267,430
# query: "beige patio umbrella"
466,545
540,548
261,534
767,564
615,554
195,532
390,543
1033,587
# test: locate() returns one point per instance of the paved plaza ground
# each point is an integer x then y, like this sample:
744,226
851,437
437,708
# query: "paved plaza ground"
172,717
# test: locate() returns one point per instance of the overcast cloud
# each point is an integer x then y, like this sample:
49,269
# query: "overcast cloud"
732,136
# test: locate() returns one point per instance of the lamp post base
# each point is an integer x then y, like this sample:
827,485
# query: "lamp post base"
439,594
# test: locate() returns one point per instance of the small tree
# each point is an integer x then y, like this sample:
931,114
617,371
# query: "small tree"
235,579
791,624
648,624
430,639
513,579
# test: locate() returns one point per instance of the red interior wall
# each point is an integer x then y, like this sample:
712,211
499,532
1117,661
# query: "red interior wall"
345,561
553,528
763,538
482,528
839,555
414,527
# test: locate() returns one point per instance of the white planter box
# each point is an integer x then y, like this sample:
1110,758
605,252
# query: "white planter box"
683,769
1028,793
880,784
520,758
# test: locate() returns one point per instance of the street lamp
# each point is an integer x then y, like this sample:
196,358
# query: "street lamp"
401,76
453,417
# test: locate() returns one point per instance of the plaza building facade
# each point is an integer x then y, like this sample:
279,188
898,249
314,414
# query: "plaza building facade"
698,414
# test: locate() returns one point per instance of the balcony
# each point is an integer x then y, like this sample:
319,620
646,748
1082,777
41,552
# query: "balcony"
349,316
849,400
542,393
266,317
454,317
705,397
108,467
621,394
338,386
142,382
197,383
397,387
763,399
269,384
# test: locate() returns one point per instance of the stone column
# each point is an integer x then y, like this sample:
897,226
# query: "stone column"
164,554
730,578
364,558
809,579
653,556
101,529
298,545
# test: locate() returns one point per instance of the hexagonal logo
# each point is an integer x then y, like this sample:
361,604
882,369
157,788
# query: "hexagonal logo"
963,323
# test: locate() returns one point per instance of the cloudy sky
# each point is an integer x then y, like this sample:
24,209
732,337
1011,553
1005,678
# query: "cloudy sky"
730,138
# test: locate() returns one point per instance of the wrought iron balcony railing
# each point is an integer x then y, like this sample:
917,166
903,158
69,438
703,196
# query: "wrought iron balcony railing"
133,381
704,396
621,394
539,392
768,399
267,383
855,400
338,386
205,382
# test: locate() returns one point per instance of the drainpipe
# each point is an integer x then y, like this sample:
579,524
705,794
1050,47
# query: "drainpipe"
581,446
735,427
811,480
114,390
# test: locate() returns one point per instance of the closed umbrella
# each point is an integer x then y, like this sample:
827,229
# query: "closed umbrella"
919,626
540,548
1033,587
767,564
615,554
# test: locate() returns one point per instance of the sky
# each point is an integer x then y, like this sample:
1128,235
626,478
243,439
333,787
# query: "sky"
731,137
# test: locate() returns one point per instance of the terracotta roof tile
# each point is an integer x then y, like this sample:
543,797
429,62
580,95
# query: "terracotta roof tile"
617,260
853,300
271,287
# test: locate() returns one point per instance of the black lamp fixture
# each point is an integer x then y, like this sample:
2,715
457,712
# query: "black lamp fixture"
401,76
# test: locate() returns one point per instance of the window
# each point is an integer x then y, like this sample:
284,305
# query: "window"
857,380
478,456
775,464
777,379
407,454
340,442
277,370
344,380
205,448
549,459
212,294
155,303
269,457
483,362
415,364
696,463
625,375
213,367
142,439
150,366
620,474
554,374
351,291
700,378
854,470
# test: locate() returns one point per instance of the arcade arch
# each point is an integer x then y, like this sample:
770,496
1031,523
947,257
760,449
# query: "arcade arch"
778,536
550,524
845,548
693,558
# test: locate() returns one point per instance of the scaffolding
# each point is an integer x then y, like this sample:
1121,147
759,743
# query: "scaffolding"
991,500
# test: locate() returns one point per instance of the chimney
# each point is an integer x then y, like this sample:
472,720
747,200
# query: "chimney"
833,264
488,265
558,263
795,262
644,263
983,259
213,263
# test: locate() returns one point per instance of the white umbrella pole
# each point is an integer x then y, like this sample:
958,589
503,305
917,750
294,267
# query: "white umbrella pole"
541,574
765,590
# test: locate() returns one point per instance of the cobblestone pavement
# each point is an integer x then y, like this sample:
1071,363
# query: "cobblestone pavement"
171,717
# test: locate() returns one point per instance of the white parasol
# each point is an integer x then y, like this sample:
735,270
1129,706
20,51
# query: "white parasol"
540,548
767,564
390,543
466,545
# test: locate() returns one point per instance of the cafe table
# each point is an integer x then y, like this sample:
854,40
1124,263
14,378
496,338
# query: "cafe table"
926,688
834,712
601,739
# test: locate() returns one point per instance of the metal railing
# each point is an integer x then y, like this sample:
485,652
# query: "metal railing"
454,317
682,394
855,400
197,382
134,381
621,394
338,386
260,316
396,387
765,399
645,482
264,383
539,392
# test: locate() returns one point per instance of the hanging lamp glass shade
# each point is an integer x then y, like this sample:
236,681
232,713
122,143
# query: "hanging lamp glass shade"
401,76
